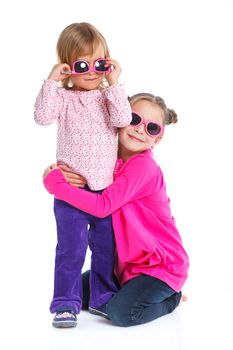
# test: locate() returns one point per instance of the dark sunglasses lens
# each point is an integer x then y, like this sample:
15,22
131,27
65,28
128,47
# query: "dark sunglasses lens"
136,119
153,129
81,67
100,66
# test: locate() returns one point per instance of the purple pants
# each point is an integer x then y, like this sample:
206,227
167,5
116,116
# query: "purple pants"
75,230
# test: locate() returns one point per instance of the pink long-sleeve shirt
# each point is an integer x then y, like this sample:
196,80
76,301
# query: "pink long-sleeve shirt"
147,239
87,138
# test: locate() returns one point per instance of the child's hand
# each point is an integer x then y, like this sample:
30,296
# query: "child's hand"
71,177
49,169
60,72
115,72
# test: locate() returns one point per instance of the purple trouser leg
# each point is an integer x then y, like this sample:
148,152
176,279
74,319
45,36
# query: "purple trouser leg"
72,242
103,284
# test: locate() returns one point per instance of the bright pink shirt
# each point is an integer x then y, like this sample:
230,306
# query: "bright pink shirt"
147,239
87,137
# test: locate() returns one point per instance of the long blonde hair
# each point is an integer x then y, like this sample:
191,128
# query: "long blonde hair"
76,40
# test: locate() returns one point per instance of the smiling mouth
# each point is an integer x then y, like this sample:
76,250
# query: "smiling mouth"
135,138
92,79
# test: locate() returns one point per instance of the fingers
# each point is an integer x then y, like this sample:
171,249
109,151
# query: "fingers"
77,185
74,177
112,63
70,174
64,167
60,72
113,74
75,180
71,177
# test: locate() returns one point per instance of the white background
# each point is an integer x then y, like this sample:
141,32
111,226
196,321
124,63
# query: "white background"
186,52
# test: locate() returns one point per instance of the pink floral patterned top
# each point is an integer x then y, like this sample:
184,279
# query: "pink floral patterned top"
87,137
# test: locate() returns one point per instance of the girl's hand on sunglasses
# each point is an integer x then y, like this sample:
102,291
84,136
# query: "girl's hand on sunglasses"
71,177
59,72
115,72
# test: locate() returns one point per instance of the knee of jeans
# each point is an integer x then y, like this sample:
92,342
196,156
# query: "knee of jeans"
120,316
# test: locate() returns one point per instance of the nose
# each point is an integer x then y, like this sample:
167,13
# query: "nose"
140,128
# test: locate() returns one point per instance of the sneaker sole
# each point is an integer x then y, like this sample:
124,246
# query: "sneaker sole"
64,324
98,313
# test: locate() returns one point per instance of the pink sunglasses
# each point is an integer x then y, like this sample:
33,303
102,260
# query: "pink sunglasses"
152,129
83,67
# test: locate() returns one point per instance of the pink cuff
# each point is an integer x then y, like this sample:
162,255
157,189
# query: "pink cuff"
53,179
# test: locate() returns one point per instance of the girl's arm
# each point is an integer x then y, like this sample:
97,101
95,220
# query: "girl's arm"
116,97
48,104
118,105
138,179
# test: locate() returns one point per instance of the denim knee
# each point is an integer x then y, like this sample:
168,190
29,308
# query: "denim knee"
137,313
120,316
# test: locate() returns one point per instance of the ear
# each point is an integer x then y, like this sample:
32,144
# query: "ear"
157,140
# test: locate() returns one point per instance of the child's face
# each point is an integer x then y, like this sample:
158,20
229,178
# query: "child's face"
90,80
135,139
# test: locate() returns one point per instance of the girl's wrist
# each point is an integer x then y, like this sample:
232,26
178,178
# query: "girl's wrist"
112,82
50,77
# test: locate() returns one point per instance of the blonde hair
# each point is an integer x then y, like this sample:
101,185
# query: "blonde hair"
170,116
76,40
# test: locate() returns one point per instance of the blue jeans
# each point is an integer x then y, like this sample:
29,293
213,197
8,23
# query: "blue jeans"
141,300
73,237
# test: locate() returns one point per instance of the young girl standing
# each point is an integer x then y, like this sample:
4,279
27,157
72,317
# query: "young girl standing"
151,263
88,111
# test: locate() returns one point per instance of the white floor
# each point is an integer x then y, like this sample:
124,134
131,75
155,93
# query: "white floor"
193,326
